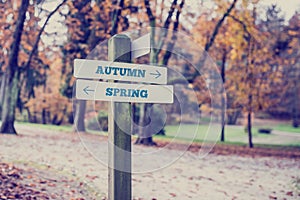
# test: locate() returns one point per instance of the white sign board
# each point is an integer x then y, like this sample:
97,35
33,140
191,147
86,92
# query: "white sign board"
95,69
122,92
140,46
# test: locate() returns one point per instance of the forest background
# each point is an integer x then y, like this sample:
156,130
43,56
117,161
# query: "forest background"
255,47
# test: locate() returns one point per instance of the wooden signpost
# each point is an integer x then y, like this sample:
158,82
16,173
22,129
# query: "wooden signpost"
119,140
119,68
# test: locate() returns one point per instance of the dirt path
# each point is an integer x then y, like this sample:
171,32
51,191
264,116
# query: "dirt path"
212,177
282,133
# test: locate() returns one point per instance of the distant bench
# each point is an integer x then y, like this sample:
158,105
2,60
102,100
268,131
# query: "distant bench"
265,130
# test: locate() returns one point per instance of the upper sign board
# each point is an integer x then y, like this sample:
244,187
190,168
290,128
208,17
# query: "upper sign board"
123,92
140,46
95,69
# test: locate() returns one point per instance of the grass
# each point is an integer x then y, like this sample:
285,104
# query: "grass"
234,135
191,131
287,128
64,128
167,138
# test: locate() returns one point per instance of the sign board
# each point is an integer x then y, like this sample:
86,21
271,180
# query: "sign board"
122,92
140,46
95,69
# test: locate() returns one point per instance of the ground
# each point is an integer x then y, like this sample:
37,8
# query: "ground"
55,165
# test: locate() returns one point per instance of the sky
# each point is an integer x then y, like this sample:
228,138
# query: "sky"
288,6
288,9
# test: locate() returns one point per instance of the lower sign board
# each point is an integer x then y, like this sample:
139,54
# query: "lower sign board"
122,92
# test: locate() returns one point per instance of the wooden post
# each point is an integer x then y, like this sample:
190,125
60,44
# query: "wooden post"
119,171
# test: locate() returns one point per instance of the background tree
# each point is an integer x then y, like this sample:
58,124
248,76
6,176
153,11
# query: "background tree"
257,78
78,24
19,59
285,49
89,23
157,42
12,74
245,56
293,62
212,38
49,106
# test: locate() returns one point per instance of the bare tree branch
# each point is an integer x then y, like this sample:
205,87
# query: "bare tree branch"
34,49
212,39
115,18
243,25
166,26
218,26
170,14
171,44
149,11
13,57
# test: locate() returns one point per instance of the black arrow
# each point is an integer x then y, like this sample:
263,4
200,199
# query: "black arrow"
157,74
86,90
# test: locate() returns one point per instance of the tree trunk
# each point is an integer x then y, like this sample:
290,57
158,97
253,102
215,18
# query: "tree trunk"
223,106
145,134
116,18
44,119
295,113
79,116
249,128
211,40
2,92
9,106
232,116
12,74
249,122
34,117
53,121
223,119
28,114
71,114
48,115
60,121
135,118
295,119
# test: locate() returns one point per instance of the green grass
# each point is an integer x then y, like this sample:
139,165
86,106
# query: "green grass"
287,128
105,133
191,131
64,128
234,135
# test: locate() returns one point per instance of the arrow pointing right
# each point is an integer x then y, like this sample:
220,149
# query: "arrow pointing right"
157,74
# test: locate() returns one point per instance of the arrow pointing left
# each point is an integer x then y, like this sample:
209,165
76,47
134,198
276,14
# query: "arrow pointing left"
86,90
